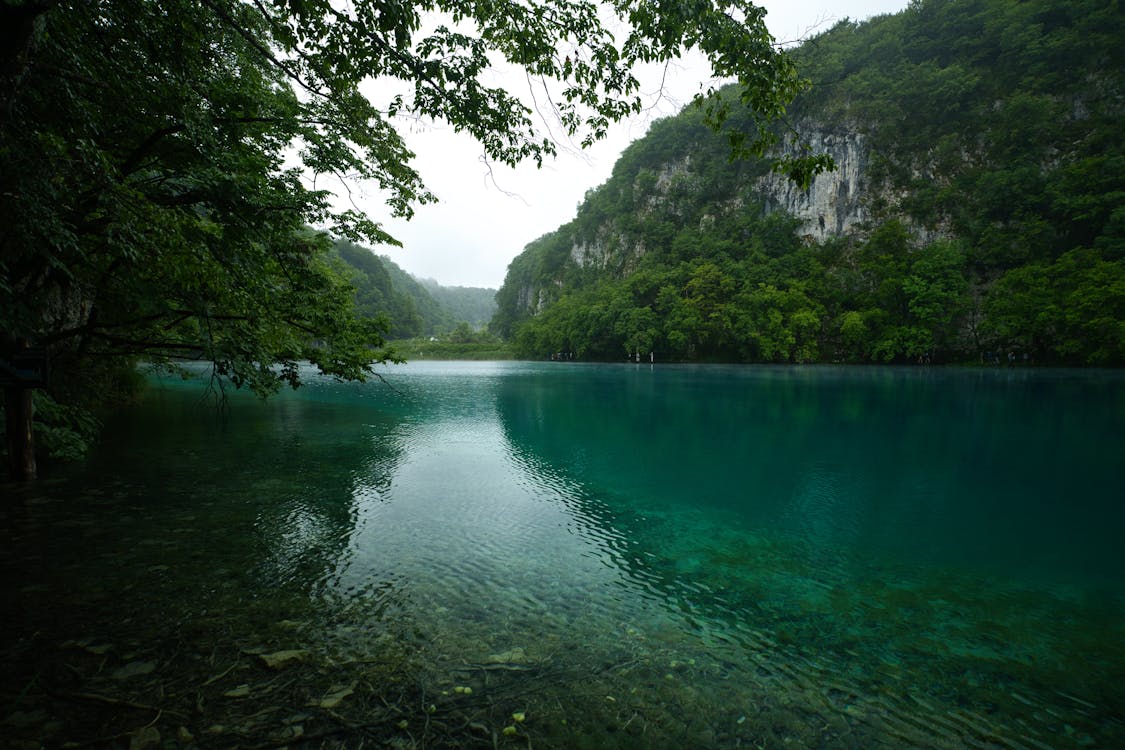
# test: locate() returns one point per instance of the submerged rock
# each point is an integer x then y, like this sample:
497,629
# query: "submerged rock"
511,656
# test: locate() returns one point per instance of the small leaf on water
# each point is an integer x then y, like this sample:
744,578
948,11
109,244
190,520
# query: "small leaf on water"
333,699
239,692
281,659
133,669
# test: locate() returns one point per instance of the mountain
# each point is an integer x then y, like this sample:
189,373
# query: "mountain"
414,308
471,304
977,207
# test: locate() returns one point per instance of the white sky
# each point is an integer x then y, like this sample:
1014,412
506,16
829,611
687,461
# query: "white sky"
482,222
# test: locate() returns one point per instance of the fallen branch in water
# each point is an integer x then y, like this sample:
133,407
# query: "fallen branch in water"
110,700
221,675
498,667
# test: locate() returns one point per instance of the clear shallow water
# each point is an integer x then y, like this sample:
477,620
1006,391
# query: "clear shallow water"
632,556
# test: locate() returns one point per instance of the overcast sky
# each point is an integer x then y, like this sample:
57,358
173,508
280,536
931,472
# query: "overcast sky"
485,220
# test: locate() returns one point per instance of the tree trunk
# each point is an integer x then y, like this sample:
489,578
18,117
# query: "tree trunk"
20,24
21,444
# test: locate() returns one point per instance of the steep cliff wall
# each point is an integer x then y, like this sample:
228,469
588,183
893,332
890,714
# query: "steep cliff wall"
835,202
681,190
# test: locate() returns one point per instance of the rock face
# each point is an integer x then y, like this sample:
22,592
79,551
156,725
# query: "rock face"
610,250
591,254
834,203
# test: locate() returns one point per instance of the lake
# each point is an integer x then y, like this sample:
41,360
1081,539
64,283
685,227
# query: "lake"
580,555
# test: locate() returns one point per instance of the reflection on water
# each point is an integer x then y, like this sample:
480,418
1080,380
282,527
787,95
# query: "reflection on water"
631,556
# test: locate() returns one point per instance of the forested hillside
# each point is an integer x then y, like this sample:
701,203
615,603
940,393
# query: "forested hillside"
470,304
411,307
978,206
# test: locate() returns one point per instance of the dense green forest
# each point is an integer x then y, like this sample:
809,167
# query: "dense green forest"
991,219
411,307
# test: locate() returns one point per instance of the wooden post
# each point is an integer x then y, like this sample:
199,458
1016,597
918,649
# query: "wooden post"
18,410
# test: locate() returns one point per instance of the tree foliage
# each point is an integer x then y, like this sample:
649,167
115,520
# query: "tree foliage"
160,161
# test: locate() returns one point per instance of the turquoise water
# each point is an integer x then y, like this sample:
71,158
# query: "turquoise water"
626,556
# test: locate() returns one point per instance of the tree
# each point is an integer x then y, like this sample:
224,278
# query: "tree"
462,334
159,159
937,296
1071,311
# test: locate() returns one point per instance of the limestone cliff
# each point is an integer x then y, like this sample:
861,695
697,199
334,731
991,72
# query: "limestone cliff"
835,202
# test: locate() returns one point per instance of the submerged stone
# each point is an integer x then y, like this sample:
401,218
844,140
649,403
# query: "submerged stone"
511,656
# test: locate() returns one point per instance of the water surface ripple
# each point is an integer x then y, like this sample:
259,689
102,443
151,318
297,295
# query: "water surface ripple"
665,556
